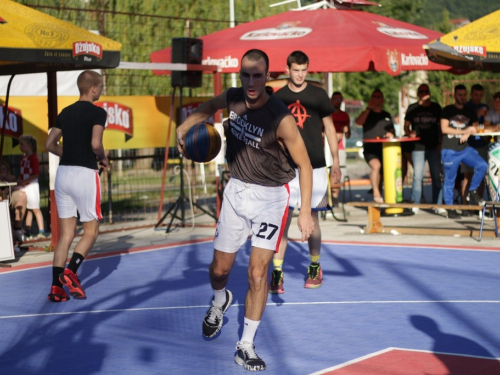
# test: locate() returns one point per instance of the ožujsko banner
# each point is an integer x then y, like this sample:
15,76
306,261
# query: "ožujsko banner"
133,121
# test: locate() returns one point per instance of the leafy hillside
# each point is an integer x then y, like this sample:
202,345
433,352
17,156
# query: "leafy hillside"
433,10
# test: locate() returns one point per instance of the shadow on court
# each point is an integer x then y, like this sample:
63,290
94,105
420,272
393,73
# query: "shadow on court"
449,343
297,261
104,269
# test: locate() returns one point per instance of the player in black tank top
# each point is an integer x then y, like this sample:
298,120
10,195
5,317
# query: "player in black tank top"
257,126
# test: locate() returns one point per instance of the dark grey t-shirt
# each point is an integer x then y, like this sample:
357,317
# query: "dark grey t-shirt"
253,151
377,124
459,118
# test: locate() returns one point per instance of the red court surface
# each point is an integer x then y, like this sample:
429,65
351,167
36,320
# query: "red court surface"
395,361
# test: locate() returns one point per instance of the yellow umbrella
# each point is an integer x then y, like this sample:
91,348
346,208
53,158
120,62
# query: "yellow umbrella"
475,46
32,41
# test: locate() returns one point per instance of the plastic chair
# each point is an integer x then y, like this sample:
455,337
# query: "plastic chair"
493,204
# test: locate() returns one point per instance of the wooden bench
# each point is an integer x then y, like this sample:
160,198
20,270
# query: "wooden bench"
375,225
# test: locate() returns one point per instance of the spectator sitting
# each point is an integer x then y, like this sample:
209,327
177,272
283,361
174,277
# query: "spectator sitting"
5,176
492,118
477,142
458,122
376,123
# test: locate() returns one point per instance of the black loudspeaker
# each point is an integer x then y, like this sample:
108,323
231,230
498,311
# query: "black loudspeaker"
186,51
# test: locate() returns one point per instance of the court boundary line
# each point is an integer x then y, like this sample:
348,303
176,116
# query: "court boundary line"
389,349
274,304
110,254
210,239
412,246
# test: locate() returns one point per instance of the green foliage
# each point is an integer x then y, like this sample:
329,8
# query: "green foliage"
431,15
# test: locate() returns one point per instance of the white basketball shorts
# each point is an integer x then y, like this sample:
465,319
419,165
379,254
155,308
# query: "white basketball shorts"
32,191
261,210
78,189
320,189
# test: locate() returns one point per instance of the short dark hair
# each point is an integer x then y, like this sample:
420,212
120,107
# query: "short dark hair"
379,91
256,55
459,87
337,93
297,57
477,87
496,95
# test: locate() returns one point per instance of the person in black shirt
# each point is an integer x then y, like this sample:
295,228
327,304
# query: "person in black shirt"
423,120
77,185
312,109
376,123
458,123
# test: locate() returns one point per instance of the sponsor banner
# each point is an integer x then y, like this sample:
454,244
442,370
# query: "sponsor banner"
87,48
224,63
398,32
471,50
286,30
400,61
133,121
14,123
120,118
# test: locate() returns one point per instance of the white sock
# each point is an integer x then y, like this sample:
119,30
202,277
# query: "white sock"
249,329
220,297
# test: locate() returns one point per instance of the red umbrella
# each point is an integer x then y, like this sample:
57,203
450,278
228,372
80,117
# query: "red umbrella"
336,40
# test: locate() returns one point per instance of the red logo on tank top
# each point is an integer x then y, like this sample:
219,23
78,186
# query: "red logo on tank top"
299,112
2,20
14,124
120,117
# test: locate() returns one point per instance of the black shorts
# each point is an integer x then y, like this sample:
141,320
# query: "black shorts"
372,151
407,147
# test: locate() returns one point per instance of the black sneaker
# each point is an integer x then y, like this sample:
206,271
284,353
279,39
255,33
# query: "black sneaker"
453,214
213,319
276,284
466,213
474,199
246,357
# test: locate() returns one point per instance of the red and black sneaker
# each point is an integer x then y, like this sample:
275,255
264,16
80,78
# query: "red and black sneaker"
57,294
72,282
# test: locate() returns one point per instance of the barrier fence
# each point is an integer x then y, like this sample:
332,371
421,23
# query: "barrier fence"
130,190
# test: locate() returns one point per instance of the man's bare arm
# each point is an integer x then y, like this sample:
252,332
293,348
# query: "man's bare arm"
51,144
289,134
333,143
204,111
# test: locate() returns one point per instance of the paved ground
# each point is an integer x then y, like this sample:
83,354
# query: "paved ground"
126,236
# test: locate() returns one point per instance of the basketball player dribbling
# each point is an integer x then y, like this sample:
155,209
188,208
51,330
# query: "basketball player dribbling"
256,197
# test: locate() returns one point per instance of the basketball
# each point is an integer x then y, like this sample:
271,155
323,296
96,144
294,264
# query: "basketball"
202,143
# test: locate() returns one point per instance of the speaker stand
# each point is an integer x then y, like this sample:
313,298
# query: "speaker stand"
182,199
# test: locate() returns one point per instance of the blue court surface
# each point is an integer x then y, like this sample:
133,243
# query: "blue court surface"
144,310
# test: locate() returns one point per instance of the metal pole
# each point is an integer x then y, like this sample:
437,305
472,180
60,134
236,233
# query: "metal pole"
5,114
231,24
